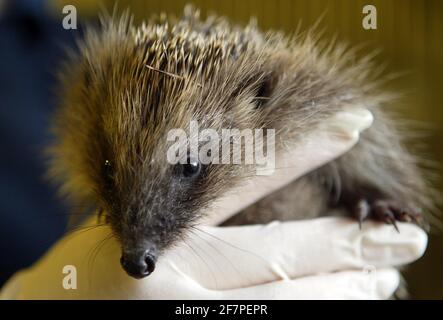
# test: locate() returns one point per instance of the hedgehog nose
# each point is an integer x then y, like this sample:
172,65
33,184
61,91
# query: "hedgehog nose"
138,265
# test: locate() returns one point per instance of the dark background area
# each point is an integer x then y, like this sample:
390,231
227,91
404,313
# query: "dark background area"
31,216
31,47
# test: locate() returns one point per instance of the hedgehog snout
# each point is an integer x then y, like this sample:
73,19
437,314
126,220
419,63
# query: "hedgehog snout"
139,263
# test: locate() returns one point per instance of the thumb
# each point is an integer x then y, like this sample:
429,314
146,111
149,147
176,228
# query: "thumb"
336,136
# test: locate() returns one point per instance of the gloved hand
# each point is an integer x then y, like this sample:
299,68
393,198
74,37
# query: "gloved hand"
326,258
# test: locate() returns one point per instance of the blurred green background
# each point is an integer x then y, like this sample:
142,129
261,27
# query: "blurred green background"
409,35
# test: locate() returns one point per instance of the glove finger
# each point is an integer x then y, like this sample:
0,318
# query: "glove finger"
232,257
379,284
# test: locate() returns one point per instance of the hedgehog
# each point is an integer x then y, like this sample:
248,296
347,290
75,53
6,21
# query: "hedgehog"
128,85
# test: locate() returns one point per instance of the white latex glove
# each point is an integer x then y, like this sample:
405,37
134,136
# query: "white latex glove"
321,258
328,142
324,258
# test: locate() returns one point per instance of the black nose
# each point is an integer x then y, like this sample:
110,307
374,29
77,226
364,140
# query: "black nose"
138,265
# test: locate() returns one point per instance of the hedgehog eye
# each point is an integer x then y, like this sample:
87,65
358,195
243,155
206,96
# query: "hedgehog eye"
191,168
263,92
107,170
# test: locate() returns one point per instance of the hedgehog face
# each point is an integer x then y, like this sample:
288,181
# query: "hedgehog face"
150,202
113,145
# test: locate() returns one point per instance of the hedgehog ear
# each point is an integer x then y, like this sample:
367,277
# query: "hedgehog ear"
264,90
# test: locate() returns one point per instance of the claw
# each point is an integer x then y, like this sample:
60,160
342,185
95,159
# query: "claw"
385,214
415,219
394,224
361,211
388,211
416,216
402,215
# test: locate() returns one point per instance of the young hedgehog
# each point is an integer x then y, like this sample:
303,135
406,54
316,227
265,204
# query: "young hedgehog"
129,85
